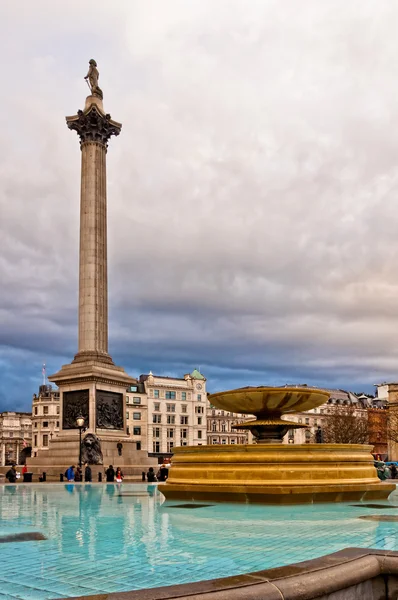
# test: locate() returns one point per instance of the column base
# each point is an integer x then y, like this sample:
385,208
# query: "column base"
93,355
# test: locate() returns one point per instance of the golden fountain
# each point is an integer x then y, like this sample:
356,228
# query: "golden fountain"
269,471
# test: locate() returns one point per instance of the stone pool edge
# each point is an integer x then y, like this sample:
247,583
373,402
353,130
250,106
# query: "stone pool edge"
358,572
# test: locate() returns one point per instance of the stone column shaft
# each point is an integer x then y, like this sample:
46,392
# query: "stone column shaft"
93,284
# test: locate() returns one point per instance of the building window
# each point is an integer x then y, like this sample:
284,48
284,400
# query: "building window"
35,410
45,410
170,407
214,441
132,388
199,435
156,447
11,434
127,414
136,400
156,432
214,426
45,440
156,406
57,410
184,434
223,427
171,419
223,441
170,395
300,420
199,410
199,420
138,445
127,400
170,446
307,421
156,393
184,420
57,424
183,408
36,425
183,395
137,416
233,441
45,423
199,397
36,439
156,418
136,430
170,433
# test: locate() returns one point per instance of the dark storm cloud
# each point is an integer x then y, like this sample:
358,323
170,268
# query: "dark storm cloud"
252,193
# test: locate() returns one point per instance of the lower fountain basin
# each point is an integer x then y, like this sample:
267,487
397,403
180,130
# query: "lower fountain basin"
275,474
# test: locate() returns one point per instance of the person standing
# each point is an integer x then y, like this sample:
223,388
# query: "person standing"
110,474
24,469
88,477
393,471
151,477
119,475
78,474
11,475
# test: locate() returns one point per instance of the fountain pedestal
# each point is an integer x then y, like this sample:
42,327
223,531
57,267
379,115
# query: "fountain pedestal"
271,472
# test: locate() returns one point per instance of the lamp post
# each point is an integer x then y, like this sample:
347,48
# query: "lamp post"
80,426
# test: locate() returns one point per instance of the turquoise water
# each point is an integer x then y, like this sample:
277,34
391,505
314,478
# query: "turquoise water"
104,538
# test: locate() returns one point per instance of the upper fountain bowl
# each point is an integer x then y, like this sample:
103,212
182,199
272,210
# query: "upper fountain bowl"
264,401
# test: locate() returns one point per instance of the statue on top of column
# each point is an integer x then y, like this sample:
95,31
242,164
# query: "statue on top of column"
92,77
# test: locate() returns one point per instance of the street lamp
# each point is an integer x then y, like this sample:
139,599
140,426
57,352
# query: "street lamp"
80,426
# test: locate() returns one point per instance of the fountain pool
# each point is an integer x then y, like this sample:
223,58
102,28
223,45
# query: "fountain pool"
103,538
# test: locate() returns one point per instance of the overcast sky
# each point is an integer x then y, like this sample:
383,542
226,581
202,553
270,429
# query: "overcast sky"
252,194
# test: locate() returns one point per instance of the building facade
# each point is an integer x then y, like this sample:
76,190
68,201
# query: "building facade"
173,411
45,418
15,437
220,427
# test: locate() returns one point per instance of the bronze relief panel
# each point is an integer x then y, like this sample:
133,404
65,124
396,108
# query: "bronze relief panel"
109,410
75,404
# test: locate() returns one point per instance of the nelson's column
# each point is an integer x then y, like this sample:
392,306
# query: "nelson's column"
92,386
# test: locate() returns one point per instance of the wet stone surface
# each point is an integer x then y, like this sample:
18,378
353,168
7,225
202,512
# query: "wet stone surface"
30,536
377,506
389,518
188,505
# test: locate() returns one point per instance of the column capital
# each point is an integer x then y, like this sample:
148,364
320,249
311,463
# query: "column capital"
92,125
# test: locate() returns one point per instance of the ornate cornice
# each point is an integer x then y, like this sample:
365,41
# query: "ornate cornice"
93,126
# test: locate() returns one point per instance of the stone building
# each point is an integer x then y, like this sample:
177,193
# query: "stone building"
317,417
45,418
137,415
173,410
220,427
15,437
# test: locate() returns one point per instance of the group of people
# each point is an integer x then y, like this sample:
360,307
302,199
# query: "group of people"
161,475
111,474
76,474
386,472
